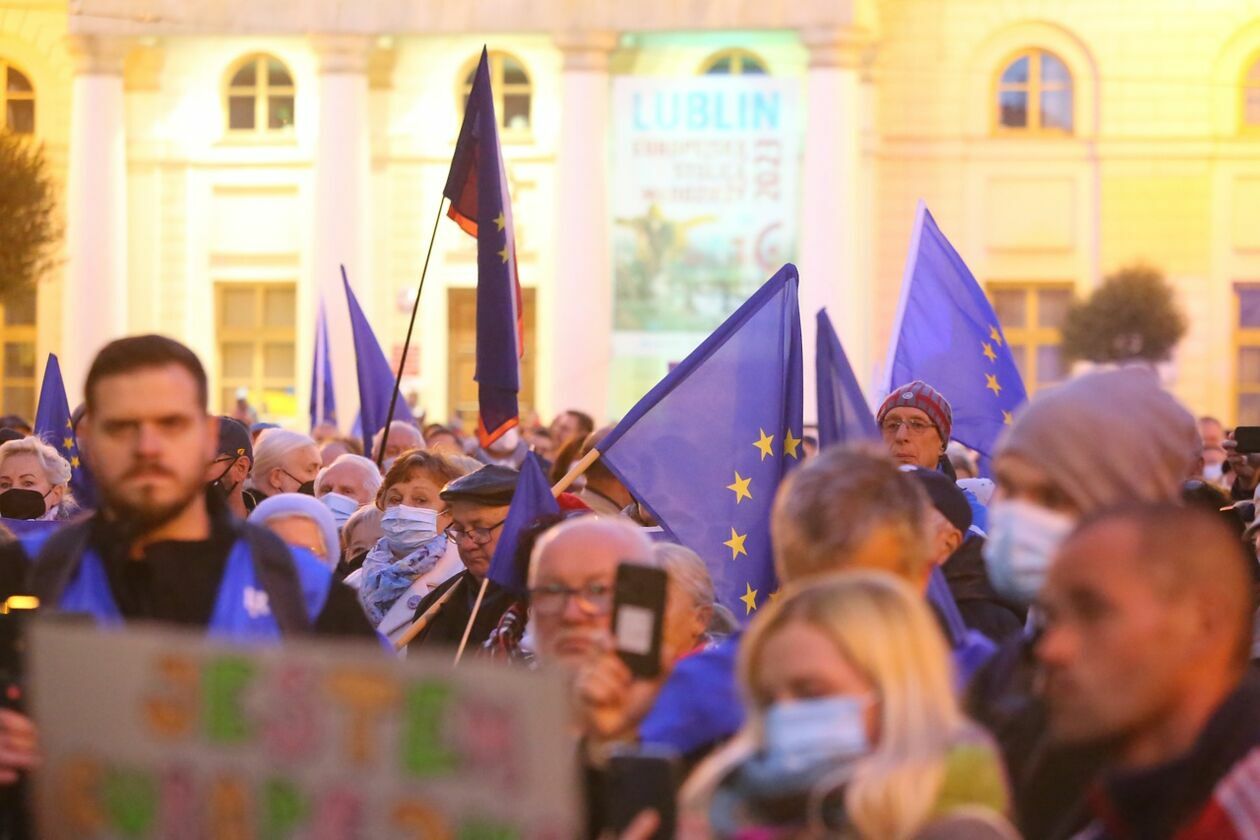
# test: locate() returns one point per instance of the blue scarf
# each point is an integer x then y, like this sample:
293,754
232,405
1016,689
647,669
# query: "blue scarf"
385,578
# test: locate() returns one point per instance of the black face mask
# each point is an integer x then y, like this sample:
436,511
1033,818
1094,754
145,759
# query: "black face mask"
18,503
218,489
307,488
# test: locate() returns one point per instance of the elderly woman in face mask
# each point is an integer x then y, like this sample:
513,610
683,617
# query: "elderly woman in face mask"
414,556
302,522
34,481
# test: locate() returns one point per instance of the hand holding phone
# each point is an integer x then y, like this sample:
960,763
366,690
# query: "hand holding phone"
642,778
639,617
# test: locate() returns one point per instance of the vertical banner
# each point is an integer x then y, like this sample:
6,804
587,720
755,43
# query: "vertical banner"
161,734
706,182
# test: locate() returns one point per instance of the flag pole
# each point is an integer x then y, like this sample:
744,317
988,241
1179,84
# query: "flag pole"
411,325
472,619
575,471
423,621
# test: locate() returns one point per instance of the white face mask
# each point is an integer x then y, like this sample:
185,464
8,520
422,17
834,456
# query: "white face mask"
406,528
1213,472
801,733
341,506
1022,539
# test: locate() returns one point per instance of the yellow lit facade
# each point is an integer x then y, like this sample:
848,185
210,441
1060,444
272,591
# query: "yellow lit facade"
215,152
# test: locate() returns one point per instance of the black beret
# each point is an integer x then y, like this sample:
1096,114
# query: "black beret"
491,486
946,497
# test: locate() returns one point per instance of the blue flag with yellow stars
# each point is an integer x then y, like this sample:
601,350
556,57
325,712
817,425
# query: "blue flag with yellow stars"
948,335
843,415
705,450
531,499
54,425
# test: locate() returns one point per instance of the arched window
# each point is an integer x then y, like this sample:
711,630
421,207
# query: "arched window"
734,62
1034,93
1251,96
17,100
513,92
260,95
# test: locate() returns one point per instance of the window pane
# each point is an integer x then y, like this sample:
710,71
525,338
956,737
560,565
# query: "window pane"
247,76
752,67
19,359
1017,72
1052,307
514,73
19,400
238,360
1020,352
1009,304
1053,70
722,65
279,307
1248,306
1249,365
278,74
1049,364
279,402
241,112
238,309
18,83
20,116
1249,409
516,111
1013,109
20,310
1056,109
278,360
279,111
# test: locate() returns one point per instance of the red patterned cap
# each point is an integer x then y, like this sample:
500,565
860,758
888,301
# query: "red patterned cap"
918,394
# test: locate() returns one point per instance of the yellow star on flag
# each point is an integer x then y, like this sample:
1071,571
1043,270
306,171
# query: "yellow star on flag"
749,599
741,488
995,335
988,352
766,444
736,544
503,255
1006,417
74,462
69,425
992,384
67,444
500,222
790,444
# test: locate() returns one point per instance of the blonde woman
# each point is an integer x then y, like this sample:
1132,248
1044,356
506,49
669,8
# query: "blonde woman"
34,481
853,729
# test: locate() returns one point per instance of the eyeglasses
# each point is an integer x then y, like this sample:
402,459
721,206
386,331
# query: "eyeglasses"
915,425
480,536
551,598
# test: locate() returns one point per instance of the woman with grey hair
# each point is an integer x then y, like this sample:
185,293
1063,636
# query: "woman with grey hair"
34,481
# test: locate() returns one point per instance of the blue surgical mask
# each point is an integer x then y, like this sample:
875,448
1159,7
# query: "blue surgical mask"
341,506
406,528
802,733
1022,540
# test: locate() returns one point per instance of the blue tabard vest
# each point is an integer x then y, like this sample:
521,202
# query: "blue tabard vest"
241,613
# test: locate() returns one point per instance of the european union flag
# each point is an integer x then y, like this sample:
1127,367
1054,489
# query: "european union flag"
947,334
376,378
531,499
323,400
54,425
843,414
478,191
705,450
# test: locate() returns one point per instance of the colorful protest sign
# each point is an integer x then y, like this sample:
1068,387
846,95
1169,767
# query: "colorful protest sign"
159,733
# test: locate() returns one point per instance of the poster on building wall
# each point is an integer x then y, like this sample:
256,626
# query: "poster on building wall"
706,180
161,734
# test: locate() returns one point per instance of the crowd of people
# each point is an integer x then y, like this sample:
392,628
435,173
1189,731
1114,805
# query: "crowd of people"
1064,650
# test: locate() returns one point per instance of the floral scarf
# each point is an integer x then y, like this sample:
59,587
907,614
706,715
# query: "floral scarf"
385,578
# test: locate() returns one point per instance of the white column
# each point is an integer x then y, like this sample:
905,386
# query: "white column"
580,307
831,221
342,215
94,300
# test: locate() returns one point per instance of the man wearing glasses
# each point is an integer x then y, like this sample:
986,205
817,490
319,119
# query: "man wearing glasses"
915,421
478,505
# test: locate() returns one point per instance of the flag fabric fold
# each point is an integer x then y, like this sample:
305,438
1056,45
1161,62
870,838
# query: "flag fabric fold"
843,415
706,448
948,335
531,499
376,378
477,187
323,399
55,426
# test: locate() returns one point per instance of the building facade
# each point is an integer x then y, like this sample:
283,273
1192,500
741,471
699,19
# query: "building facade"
221,161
